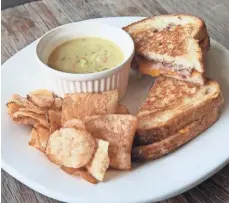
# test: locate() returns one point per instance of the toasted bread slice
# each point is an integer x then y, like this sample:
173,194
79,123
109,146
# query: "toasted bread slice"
158,149
172,104
79,105
172,42
119,131
170,38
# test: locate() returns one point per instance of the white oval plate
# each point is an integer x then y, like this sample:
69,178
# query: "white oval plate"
151,181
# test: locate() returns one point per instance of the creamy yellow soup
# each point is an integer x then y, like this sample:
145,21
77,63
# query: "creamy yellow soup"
85,55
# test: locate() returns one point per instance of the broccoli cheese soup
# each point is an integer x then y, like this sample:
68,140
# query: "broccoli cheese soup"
85,55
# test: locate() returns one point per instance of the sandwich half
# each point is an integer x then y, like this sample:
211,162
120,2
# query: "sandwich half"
171,45
163,147
173,104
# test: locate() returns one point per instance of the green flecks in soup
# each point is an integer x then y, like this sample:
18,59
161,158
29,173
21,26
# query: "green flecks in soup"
85,55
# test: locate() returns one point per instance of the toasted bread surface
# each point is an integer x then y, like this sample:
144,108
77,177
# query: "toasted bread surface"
158,149
172,104
170,38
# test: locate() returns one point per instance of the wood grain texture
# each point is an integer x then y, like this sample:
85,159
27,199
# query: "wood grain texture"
23,24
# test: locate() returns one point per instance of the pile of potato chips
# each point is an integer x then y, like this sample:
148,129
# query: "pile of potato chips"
84,133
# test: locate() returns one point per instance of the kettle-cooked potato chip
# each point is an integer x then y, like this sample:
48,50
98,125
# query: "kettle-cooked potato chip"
79,105
26,105
119,131
57,105
39,137
75,123
26,120
34,109
42,98
70,147
54,119
100,162
12,108
40,118
122,109
21,101
82,172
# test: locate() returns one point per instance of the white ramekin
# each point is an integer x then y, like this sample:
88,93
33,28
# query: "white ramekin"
114,78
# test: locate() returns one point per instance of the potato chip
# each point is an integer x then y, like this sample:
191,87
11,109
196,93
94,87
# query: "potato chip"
42,98
54,119
57,105
75,123
21,101
34,109
44,134
26,120
119,131
39,137
79,105
80,172
122,109
34,139
26,105
12,108
40,118
70,147
100,162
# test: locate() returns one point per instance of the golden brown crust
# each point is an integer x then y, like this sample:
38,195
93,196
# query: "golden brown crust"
173,142
161,100
150,35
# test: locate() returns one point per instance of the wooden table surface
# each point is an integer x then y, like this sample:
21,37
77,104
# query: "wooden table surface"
23,24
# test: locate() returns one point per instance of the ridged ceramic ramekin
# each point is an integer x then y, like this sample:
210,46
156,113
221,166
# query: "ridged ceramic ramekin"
114,78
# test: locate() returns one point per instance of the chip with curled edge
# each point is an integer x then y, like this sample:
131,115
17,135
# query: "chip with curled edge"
100,162
39,137
42,98
54,119
82,172
41,119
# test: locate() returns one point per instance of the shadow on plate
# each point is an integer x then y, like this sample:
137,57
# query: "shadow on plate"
218,70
